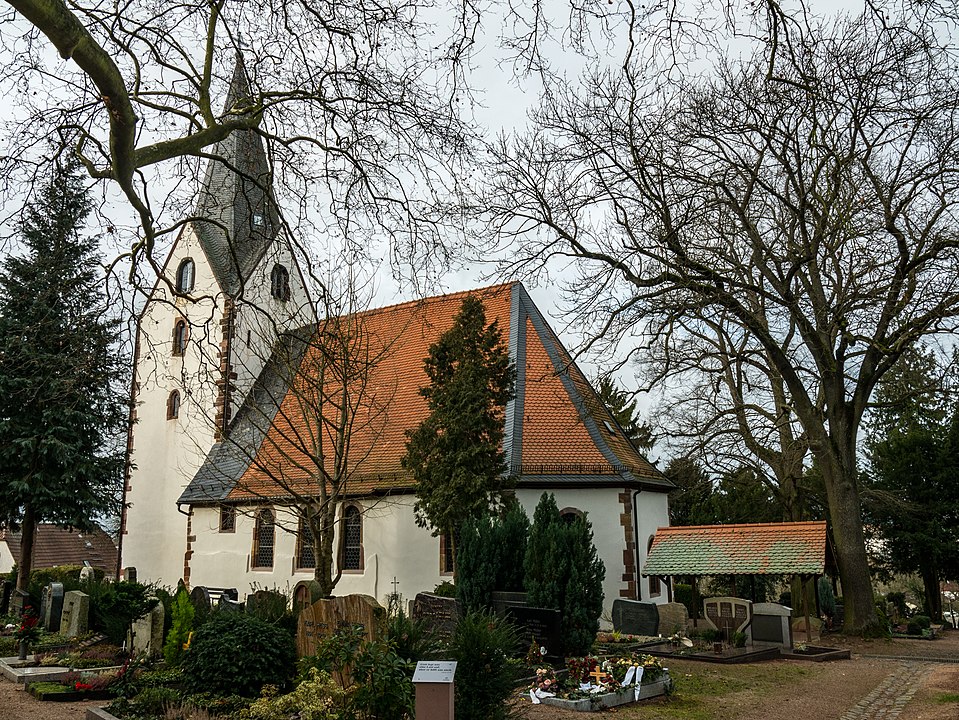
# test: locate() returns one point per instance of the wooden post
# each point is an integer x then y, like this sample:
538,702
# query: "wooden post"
435,690
694,581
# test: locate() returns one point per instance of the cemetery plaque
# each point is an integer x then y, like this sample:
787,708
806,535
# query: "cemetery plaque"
54,607
200,597
635,618
540,625
728,614
325,616
74,621
440,614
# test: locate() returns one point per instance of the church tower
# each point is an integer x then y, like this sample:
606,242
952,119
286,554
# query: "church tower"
229,286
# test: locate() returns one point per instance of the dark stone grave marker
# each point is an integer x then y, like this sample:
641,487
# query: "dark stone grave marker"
265,601
228,605
728,614
438,613
503,600
6,589
18,601
635,618
200,597
54,607
540,625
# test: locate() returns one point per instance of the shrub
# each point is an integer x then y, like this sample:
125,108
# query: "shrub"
412,639
316,698
237,652
917,624
273,607
683,593
182,611
445,589
898,600
490,556
482,643
153,701
114,606
827,600
383,683
563,571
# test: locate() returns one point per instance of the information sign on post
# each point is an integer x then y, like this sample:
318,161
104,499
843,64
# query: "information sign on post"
434,689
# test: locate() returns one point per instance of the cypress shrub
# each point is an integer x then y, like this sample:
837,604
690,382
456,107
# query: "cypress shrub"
477,563
482,645
511,531
545,563
583,595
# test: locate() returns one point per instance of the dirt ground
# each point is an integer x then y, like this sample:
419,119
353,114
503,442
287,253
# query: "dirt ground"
778,690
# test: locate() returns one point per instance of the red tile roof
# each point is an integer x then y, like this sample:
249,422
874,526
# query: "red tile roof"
565,429
55,546
756,549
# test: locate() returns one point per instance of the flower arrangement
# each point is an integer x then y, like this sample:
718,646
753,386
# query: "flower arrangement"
545,680
29,629
580,667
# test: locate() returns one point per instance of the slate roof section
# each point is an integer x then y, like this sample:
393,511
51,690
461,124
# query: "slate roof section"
557,429
55,546
229,458
754,549
236,217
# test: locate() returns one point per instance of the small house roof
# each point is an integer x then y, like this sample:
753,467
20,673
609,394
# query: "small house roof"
753,549
54,546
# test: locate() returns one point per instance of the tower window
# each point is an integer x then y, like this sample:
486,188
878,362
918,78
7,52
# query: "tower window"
185,275
173,405
280,283
351,545
180,337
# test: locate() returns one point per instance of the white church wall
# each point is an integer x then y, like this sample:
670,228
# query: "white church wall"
652,511
7,561
167,452
393,546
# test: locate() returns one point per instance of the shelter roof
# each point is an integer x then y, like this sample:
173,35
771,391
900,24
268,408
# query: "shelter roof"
753,549
556,427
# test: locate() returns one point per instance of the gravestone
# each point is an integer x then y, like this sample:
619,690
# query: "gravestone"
673,618
230,594
228,605
728,614
635,618
148,632
540,625
305,593
54,606
439,614
18,601
771,624
75,619
86,574
44,602
324,617
200,597
6,589
268,602
502,600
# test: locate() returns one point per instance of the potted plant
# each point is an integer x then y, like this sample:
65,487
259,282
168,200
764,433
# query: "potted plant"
27,632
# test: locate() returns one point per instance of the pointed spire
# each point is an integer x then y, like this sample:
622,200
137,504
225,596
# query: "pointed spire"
237,218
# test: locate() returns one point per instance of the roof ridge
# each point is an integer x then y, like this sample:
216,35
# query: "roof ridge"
429,299
787,523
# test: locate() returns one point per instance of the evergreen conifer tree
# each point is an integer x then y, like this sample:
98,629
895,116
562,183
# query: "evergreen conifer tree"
456,455
477,563
511,536
62,418
544,562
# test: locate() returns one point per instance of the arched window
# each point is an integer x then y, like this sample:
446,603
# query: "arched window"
655,585
280,283
264,536
185,275
173,405
180,337
570,515
351,543
305,557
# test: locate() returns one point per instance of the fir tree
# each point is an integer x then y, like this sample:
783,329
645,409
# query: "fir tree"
512,534
61,418
455,455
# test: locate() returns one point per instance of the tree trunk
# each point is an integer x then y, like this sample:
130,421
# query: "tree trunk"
930,584
28,531
323,551
849,543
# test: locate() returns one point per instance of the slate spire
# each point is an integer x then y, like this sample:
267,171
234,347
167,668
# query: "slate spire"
236,217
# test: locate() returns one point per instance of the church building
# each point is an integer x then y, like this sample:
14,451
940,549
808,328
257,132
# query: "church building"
230,425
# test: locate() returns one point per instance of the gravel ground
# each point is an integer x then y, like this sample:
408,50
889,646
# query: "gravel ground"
778,690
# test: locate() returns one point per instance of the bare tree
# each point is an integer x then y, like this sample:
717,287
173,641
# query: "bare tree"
805,193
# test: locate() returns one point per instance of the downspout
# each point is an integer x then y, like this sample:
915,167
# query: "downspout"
636,545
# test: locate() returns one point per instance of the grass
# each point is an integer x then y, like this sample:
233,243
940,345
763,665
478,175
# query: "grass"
697,687
947,698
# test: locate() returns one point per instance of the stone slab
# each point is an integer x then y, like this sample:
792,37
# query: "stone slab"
673,618
634,617
540,625
75,618
439,614
603,701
